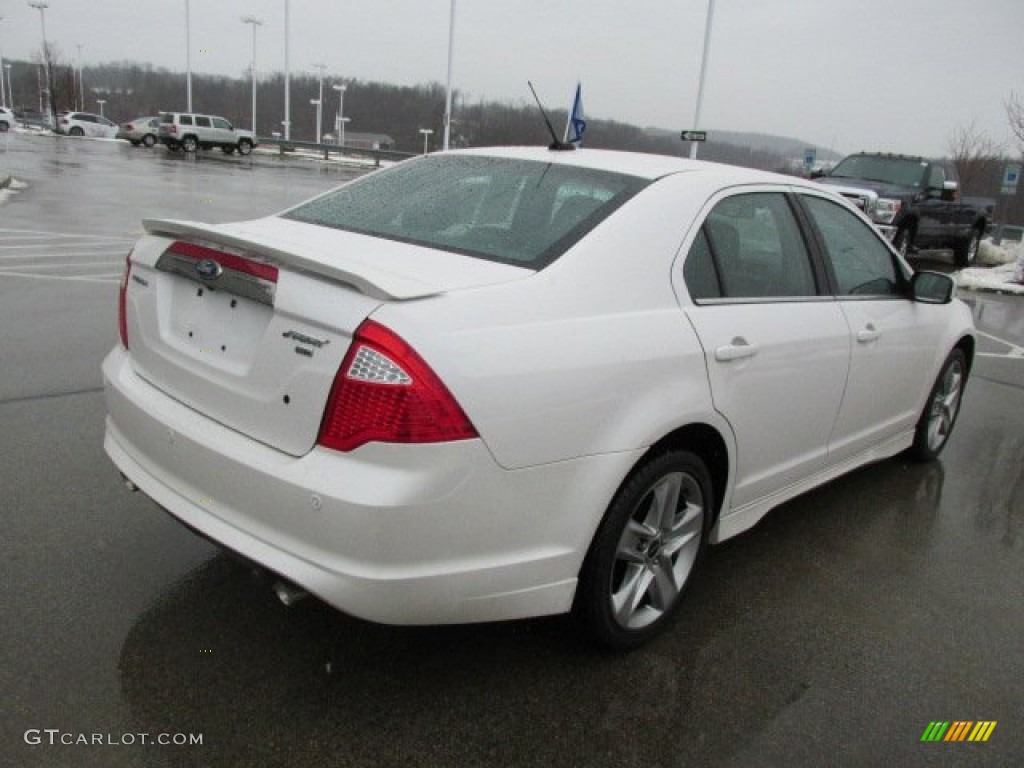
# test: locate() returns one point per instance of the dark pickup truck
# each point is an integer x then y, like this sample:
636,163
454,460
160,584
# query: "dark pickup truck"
914,201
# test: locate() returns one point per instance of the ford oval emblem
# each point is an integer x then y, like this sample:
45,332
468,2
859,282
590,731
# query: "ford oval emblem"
208,269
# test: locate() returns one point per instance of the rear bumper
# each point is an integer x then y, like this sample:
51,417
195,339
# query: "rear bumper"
395,534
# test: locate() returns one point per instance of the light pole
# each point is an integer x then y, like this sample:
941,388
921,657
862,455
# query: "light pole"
343,121
253,22
448,90
81,80
42,5
101,102
317,103
10,85
320,102
426,138
287,80
3,88
339,123
188,59
703,72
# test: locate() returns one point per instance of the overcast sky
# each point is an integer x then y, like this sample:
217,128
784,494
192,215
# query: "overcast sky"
894,75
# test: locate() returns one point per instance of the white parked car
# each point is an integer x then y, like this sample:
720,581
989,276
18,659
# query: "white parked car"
6,120
493,384
86,124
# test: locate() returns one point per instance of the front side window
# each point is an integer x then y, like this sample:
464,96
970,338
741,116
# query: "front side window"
861,262
750,247
220,122
521,212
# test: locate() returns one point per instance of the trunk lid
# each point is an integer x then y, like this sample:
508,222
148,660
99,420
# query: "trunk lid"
248,323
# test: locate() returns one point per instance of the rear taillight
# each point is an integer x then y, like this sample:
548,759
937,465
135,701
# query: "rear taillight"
122,309
385,392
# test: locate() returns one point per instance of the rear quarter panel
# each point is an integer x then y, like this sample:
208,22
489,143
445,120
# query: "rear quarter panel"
591,355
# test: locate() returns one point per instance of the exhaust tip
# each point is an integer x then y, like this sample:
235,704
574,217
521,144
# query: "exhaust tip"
289,594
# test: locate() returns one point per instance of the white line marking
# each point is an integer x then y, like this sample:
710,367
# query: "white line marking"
65,234
105,279
69,265
1016,351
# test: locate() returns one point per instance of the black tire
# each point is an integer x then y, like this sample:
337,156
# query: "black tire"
903,242
941,409
148,140
966,251
651,540
76,131
190,144
244,147
4,126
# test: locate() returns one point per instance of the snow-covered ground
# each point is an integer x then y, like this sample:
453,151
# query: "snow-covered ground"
1000,268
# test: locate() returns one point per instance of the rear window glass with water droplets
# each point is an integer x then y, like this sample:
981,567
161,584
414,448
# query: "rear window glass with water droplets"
521,212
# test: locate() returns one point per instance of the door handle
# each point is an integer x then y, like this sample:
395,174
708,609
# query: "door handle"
738,349
868,334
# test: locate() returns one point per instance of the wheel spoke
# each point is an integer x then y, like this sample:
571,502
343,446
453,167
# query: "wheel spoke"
664,589
627,599
666,501
687,528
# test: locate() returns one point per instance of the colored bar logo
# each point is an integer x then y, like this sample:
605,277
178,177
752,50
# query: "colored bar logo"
958,730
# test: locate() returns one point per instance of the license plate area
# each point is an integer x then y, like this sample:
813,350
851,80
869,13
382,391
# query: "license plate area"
216,327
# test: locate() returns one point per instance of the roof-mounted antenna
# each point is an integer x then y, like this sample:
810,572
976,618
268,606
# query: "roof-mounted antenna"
556,143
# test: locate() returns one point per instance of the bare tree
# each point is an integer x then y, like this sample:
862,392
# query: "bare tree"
1015,114
975,156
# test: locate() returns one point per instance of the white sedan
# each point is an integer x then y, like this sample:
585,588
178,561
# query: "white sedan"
493,384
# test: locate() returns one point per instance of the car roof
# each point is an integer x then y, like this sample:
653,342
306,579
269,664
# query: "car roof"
642,165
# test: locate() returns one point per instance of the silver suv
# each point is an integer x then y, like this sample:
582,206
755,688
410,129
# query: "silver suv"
190,132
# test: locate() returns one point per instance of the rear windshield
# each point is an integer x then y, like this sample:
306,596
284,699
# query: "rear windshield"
519,212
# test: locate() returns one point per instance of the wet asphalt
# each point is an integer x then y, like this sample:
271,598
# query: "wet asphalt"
831,634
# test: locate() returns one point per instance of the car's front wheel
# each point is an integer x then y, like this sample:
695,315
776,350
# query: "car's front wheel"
244,147
4,126
645,550
943,406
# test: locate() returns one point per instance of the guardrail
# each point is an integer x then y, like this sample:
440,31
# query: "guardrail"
290,145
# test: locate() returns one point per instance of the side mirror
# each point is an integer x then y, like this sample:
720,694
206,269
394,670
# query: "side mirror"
932,288
817,173
950,191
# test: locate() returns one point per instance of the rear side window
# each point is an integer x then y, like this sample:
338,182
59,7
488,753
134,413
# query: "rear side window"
750,247
185,119
521,212
202,122
861,262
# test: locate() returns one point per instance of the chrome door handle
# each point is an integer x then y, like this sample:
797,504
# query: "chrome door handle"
738,349
868,333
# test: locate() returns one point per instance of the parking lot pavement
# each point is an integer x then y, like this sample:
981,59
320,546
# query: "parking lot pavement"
833,633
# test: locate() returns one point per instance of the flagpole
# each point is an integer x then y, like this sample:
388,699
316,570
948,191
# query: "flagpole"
448,89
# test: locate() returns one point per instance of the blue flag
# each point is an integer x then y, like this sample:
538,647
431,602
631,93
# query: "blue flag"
576,125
